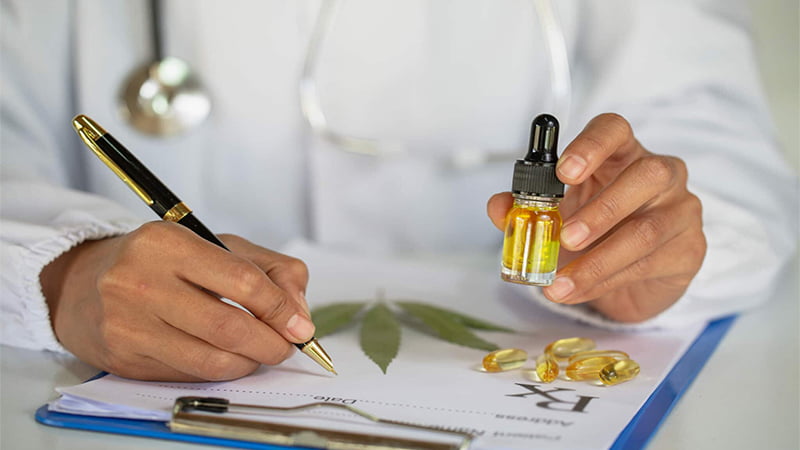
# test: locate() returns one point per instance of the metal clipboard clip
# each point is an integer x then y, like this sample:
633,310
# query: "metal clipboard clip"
202,416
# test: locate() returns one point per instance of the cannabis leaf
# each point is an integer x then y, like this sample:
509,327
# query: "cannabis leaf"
331,318
468,321
446,326
380,335
380,329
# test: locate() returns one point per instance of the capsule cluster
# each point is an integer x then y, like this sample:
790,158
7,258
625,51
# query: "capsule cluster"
577,356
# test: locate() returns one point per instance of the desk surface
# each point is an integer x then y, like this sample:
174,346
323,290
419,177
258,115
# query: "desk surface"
747,396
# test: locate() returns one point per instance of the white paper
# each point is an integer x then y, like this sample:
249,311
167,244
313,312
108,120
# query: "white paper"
430,381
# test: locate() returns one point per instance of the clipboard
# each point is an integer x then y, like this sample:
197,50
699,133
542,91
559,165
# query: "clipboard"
636,434
205,420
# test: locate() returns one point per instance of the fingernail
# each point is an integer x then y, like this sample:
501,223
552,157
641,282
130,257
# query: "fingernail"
571,166
560,289
574,233
300,328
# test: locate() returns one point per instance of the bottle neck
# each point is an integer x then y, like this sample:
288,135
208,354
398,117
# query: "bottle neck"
531,201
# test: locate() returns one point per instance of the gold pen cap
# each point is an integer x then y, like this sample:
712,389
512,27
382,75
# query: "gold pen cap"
85,126
318,354
90,132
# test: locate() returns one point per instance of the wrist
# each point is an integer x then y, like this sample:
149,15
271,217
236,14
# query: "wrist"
58,274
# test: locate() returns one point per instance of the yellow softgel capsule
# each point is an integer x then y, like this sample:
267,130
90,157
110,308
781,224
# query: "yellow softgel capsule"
546,368
588,368
619,371
564,348
505,359
616,354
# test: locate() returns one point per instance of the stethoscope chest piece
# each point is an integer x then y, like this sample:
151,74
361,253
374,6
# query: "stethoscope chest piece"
164,98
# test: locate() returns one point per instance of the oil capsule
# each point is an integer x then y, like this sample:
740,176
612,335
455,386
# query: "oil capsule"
588,368
505,359
546,368
564,348
616,354
619,371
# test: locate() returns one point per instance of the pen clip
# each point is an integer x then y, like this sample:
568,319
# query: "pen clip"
90,132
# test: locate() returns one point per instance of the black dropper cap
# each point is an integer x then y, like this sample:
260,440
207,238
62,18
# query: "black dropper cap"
535,175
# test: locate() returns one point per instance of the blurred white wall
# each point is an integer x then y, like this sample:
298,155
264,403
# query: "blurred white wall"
778,45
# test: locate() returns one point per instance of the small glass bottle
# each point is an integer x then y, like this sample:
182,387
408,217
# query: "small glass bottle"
533,225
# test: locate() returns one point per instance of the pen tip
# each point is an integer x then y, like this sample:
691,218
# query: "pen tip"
318,354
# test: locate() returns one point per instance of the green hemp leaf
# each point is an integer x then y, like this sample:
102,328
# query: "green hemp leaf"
380,328
380,335
331,318
470,322
446,326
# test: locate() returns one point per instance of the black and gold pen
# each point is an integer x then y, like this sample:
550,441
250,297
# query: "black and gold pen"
160,199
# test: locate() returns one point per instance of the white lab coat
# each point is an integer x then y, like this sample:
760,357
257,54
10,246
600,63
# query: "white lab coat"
432,75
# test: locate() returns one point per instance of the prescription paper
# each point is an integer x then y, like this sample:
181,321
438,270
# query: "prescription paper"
430,382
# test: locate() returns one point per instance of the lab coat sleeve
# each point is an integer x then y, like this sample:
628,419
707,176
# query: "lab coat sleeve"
43,211
684,74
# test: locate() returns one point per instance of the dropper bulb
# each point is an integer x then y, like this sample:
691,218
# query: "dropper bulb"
544,139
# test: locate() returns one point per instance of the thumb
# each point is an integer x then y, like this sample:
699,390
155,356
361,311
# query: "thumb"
497,207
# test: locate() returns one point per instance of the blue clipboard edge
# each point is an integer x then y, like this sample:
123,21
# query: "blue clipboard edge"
658,406
141,428
636,434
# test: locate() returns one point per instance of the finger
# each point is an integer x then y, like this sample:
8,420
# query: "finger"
126,356
196,358
638,184
143,355
497,208
667,271
288,273
605,136
678,258
242,281
623,301
226,327
148,369
632,241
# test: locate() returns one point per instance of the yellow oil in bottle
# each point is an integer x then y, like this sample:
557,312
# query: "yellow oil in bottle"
532,240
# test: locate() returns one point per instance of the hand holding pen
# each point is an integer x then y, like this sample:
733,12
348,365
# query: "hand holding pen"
145,305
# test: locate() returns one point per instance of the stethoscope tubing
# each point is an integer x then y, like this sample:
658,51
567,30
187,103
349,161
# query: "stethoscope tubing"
315,117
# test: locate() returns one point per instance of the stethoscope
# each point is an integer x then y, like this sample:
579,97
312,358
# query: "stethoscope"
164,97
161,106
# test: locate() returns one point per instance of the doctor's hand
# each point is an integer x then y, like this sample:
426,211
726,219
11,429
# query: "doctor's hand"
632,236
145,305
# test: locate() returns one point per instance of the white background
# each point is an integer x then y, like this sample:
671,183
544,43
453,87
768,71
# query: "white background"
778,46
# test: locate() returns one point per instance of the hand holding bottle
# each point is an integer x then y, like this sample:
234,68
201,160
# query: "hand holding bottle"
632,236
